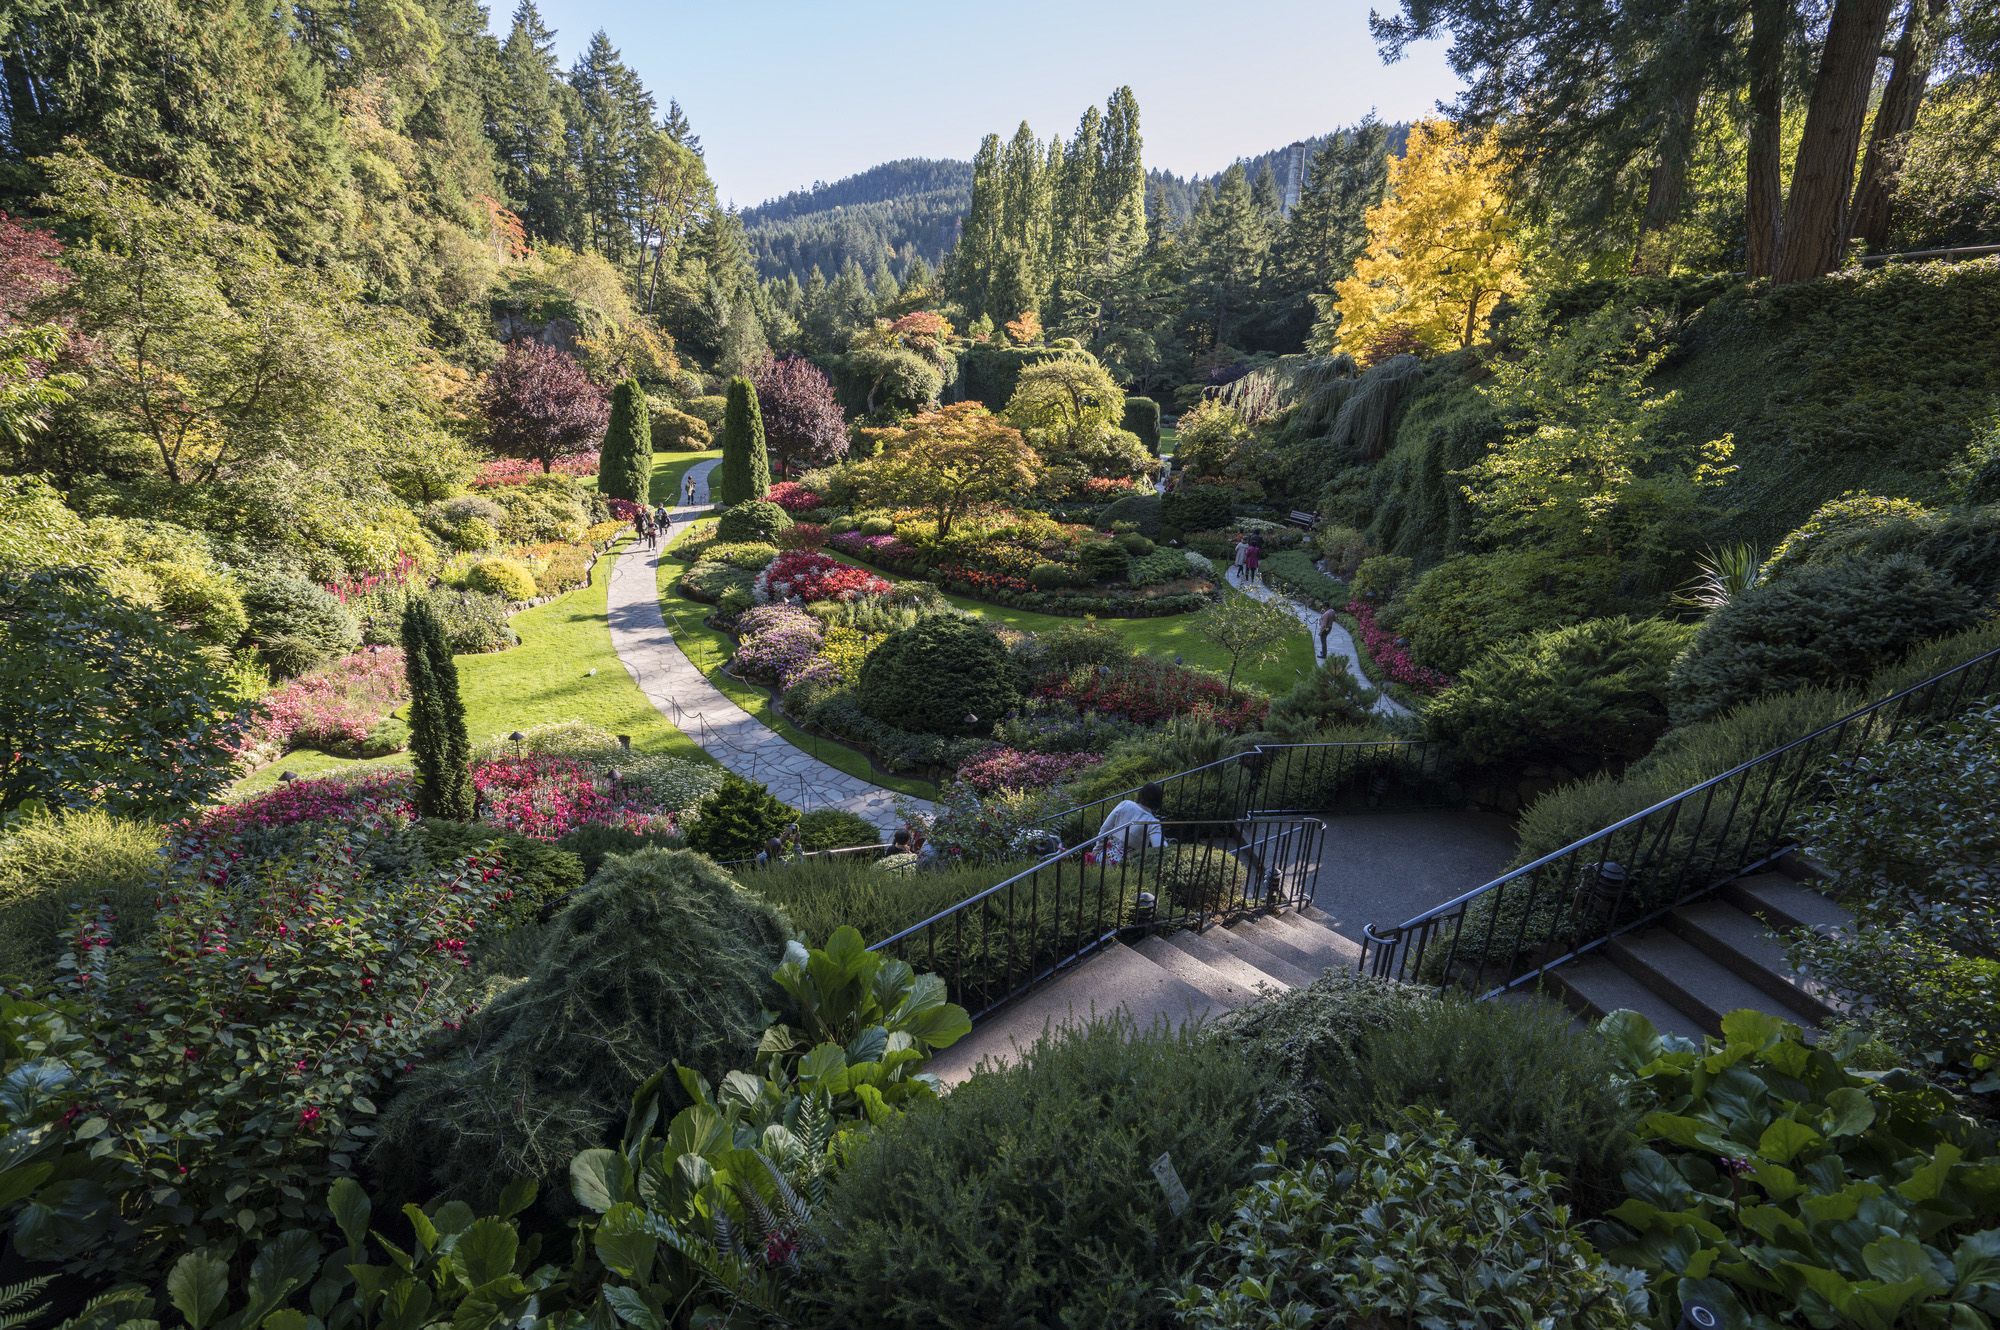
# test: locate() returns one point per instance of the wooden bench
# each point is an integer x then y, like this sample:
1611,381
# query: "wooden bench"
1306,520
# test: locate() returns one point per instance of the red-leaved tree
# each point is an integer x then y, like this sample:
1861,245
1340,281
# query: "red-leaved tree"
30,268
540,405
803,426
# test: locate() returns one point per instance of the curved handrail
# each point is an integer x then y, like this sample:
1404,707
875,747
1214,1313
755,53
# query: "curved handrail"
1457,904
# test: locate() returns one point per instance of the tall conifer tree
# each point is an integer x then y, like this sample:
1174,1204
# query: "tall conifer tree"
440,750
625,467
745,472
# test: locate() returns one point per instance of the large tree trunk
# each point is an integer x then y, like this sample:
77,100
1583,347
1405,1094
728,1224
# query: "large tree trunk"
1763,177
1894,119
1668,181
1815,225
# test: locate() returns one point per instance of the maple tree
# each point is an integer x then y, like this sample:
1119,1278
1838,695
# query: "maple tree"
949,459
803,426
540,405
1441,249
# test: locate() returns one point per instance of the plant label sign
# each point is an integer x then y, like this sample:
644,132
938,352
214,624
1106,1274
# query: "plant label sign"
1170,1183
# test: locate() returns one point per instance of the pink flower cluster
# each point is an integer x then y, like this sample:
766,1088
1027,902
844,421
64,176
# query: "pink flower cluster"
327,799
782,642
793,497
883,549
623,509
1004,768
1390,655
548,797
804,576
358,585
334,705
521,470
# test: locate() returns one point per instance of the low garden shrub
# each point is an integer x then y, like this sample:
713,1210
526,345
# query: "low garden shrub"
1003,768
1141,510
1039,726
504,578
1828,624
51,866
1381,576
1410,1227
474,622
1156,567
1027,1199
709,582
837,829
294,624
1329,696
1193,507
1149,690
678,431
1781,1186
1295,574
708,409
1458,609
1343,548
1199,878
755,555
662,959
592,845
1103,561
736,818
1578,698
945,676
756,520
820,895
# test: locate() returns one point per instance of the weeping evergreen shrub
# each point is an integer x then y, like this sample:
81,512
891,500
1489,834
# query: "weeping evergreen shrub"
661,959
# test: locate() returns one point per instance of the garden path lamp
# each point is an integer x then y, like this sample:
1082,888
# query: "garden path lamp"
516,739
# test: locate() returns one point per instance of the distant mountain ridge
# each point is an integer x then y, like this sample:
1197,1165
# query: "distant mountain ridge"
889,214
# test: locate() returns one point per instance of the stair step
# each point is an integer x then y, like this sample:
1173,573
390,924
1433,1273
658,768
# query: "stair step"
1210,950
1746,946
1219,986
1267,959
1692,980
1784,903
1275,938
1595,987
1117,978
1327,947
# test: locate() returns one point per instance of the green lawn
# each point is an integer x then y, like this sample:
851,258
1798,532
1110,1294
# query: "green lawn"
709,649
564,669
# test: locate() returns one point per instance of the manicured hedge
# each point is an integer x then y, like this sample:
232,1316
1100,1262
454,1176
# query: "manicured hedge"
1142,417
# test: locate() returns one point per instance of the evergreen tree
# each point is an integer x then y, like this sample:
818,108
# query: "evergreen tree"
625,467
440,750
1225,248
675,123
529,129
1328,227
606,138
1121,183
1021,269
745,472
1078,246
969,278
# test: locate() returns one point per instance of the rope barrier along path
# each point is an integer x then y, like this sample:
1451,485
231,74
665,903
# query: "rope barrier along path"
724,730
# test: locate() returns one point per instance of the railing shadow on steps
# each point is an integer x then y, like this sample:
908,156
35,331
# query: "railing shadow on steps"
1511,931
1073,904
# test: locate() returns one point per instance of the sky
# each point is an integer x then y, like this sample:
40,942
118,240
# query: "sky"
786,92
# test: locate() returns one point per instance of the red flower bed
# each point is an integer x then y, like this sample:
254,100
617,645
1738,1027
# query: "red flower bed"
548,797
807,577
1149,691
623,509
321,800
1005,768
1390,655
521,470
976,581
793,497
802,536
333,706
358,585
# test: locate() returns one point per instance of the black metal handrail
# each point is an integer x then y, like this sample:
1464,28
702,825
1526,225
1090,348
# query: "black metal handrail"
1512,930
1015,934
1275,778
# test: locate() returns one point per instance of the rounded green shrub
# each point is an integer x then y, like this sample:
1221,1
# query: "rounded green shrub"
294,624
735,819
1458,609
592,845
1103,561
505,578
1135,544
50,865
708,409
1052,576
1578,698
1027,1198
661,960
473,621
678,431
1828,624
1199,877
1851,524
1381,576
944,675
709,581
1141,510
877,526
1196,508
758,520
751,554
837,829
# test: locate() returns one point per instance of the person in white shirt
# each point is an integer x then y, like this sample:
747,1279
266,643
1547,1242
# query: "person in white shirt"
1132,825
1242,553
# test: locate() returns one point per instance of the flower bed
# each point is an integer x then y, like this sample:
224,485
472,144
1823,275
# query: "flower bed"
548,797
1148,691
1004,768
332,708
898,556
802,536
793,497
383,795
806,577
780,644
1389,655
521,470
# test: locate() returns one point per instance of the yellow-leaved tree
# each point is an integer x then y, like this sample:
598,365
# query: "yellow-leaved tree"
1441,251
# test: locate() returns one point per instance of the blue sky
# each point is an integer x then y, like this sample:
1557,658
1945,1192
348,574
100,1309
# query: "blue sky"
785,92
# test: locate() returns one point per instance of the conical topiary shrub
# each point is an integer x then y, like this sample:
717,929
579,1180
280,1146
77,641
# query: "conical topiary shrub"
440,750
625,467
745,472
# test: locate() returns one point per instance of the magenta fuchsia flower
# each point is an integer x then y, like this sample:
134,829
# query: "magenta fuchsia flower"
1391,655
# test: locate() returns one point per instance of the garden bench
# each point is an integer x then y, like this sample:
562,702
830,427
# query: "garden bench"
1306,520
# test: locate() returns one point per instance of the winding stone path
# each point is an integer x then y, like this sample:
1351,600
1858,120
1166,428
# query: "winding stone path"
1339,642
703,712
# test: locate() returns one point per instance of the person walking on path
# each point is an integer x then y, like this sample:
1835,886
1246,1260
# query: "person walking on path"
1327,619
687,491
1242,553
1252,556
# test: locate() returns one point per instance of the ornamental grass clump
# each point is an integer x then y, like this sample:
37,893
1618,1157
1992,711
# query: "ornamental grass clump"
662,959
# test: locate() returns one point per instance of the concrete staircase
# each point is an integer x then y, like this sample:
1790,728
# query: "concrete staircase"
1708,959
1174,977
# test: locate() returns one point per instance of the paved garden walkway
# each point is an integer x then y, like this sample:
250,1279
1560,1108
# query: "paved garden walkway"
1339,642
725,731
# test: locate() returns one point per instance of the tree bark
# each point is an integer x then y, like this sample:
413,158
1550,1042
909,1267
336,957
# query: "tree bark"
1894,119
1763,178
1815,225
1668,181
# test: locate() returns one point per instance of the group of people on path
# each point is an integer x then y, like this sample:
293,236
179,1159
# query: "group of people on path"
657,521
1249,554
